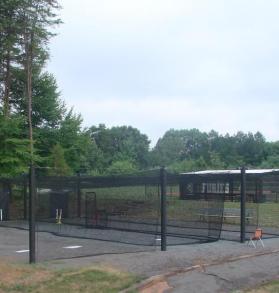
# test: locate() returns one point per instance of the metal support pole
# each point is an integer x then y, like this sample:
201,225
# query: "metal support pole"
163,183
25,198
32,215
242,207
78,195
7,196
10,197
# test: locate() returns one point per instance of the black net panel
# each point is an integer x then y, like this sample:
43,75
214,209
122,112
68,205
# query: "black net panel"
194,213
13,217
261,208
4,200
14,199
251,204
268,205
221,197
232,208
82,215
132,210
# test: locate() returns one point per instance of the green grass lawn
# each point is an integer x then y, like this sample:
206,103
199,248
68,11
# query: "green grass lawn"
144,202
268,212
25,278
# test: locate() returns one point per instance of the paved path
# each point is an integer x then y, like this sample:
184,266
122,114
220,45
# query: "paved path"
211,267
227,277
157,262
220,266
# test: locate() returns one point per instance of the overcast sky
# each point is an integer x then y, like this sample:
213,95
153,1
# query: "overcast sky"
161,64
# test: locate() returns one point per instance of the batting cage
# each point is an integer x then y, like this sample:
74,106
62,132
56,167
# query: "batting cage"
250,201
54,217
84,215
192,216
78,216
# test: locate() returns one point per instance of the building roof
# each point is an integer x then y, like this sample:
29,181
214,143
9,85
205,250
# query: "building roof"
224,172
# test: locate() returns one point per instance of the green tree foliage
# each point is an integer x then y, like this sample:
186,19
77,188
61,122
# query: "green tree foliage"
25,29
9,48
271,161
121,167
57,162
179,145
30,93
47,108
29,99
271,155
14,150
193,149
121,144
188,165
75,142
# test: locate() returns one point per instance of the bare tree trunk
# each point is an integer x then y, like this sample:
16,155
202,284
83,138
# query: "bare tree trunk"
29,59
7,86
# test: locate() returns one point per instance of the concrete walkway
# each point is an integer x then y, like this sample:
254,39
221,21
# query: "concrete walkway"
227,277
221,266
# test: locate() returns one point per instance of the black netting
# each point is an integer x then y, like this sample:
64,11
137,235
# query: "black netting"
268,205
261,208
194,213
13,199
14,237
223,211
4,201
96,215
84,215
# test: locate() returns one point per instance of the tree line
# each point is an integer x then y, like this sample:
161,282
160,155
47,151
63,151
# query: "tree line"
36,127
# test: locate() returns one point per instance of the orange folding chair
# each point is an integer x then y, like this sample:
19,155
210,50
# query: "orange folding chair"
257,236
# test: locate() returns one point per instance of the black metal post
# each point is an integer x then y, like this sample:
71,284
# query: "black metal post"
25,197
10,197
242,207
7,195
78,195
163,183
259,197
32,215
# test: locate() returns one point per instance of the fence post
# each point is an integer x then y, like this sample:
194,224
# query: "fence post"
32,215
242,207
7,196
163,183
25,197
78,195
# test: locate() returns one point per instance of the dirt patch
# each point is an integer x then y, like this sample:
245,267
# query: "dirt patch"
159,287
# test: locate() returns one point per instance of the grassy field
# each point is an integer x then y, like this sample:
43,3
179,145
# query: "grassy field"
268,212
185,209
25,278
144,202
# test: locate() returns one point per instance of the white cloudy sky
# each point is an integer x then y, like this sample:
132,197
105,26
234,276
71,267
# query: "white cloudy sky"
161,64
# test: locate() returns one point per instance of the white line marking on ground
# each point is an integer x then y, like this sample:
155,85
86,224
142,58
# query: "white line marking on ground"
72,247
22,251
